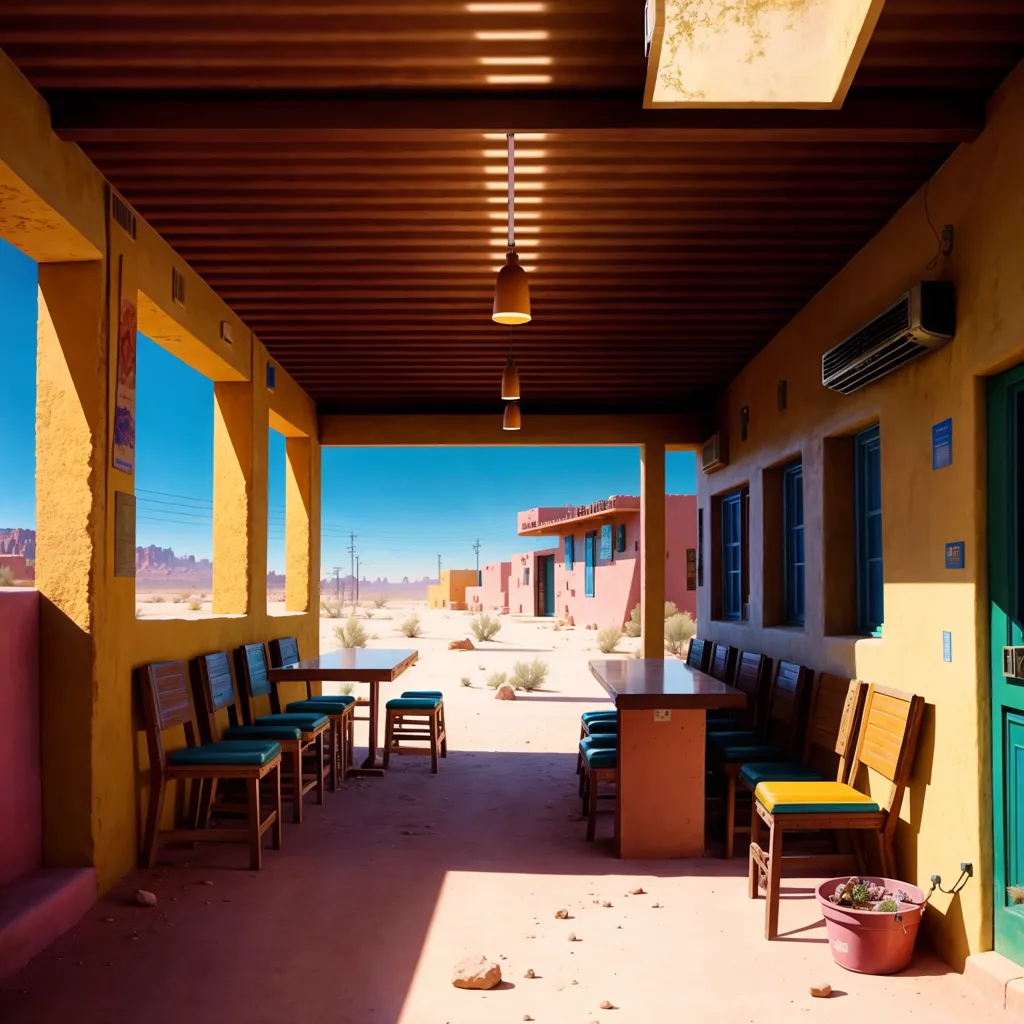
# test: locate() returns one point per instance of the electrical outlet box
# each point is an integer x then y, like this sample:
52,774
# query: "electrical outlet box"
663,716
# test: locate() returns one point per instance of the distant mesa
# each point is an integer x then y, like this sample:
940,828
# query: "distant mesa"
15,540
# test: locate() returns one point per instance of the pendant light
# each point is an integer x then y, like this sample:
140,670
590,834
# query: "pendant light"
511,290
510,376
512,420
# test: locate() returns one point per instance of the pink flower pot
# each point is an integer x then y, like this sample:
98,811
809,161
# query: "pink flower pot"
866,941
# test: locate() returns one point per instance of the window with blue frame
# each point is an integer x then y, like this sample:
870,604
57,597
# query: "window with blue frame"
569,553
868,512
590,561
733,555
526,576
606,542
620,537
793,542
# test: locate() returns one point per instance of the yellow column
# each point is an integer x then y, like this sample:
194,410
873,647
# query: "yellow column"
71,461
232,496
652,549
298,492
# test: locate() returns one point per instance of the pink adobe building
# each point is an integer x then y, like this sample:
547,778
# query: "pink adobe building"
592,571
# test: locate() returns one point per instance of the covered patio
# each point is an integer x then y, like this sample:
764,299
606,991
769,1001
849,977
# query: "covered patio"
307,206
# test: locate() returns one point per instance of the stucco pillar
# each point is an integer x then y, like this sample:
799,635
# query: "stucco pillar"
232,490
71,480
297,553
652,550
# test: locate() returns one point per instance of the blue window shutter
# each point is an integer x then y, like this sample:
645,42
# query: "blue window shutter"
732,556
606,542
793,543
569,553
620,540
868,509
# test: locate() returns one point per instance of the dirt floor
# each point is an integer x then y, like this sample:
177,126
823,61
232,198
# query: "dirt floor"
360,918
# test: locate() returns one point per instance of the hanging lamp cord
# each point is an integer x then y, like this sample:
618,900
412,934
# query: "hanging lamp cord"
511,190
510,358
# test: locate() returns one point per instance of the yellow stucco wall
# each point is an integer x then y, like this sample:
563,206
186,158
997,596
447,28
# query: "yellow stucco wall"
946,816
451,590
54,206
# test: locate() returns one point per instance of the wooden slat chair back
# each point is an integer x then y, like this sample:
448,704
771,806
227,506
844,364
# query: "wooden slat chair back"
832,720
251,672
167,702
751,672
699,654
785,706
213,687
723,662
284,651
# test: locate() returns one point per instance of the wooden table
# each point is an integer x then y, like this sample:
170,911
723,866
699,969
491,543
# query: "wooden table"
662,705
352,665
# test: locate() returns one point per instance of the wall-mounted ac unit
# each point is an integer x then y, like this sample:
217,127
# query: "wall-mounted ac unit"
713,454
922,320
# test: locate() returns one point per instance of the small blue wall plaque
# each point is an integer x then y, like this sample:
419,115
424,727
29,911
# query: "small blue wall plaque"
942,444
947,645
955,554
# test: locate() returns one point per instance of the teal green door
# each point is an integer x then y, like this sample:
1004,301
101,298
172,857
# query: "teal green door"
1006,587
546,585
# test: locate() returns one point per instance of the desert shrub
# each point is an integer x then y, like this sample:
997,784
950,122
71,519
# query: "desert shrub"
330,610
483,668
157,599
379,602
351,634
347,688
411,627
529,675
6,576
182,597
485,628
608,639
368,612
670,609
678,631
465,681
195,605
633,626
495,679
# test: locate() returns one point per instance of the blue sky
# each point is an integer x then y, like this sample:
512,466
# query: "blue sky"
405,505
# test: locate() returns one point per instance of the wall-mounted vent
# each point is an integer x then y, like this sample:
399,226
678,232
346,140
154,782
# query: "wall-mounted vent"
713,454
177,286
922,320
122,214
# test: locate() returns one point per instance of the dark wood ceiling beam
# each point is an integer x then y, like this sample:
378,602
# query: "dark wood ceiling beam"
161,114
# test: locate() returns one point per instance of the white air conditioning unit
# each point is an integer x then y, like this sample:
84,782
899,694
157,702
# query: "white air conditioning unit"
922,320
713,454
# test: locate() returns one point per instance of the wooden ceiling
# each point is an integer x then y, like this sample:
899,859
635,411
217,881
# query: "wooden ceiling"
326,167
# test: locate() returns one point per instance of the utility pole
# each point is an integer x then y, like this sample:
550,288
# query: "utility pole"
337,583
476,548
439,569
352,560
357,580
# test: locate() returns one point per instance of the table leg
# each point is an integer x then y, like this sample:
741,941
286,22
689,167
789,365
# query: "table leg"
370,766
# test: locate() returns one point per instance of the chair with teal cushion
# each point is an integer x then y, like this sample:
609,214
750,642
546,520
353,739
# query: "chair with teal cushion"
775,741
241,733
755,772
167,703
600,765
415,717
338,707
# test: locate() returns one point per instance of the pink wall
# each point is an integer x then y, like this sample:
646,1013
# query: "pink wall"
492,594
21,823
616,581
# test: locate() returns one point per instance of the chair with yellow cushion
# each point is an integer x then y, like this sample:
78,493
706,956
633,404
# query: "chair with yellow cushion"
885,746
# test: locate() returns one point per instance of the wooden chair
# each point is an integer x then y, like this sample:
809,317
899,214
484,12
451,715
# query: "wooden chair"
751,677
410,720
699,654
166,702
729,751
600,766
886,744
309,760
722,663
340,709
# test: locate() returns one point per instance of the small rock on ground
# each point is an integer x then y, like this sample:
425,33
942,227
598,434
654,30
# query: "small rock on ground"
476,972
821,991
562,914
606,1004
530,973
504,692
144,898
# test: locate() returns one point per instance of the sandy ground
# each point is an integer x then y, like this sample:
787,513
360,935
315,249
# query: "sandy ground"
360,918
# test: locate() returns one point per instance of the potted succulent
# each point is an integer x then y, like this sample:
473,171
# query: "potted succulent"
872,922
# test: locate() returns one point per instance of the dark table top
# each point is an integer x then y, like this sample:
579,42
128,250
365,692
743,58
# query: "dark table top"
640,684
351,665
